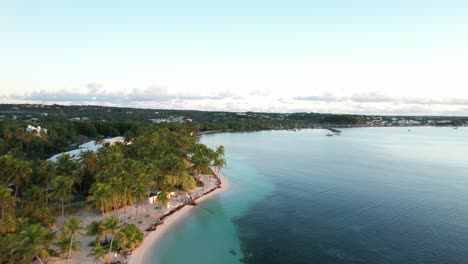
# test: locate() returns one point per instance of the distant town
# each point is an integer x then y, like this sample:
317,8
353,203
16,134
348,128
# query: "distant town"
35,114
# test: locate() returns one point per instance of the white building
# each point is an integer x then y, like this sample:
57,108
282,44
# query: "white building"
38,129
88,146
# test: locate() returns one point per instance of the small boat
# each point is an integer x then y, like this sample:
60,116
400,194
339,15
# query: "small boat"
329,135
455,128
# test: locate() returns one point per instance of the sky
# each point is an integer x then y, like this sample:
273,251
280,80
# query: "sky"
405,57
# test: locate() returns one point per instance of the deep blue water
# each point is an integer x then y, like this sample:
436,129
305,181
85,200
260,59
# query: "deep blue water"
372,195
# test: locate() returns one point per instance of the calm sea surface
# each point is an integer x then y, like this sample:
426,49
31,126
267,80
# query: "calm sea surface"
372,195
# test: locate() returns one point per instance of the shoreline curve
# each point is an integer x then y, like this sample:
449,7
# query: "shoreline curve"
138,256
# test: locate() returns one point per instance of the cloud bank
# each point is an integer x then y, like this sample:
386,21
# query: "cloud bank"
262,100
376,97
96,93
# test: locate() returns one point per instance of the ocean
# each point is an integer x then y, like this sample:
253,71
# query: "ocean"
371,195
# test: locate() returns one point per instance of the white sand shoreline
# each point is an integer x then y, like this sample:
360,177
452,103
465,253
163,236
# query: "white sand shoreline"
139,255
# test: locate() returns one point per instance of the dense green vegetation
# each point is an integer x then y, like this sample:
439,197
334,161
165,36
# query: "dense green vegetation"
35,191
202,120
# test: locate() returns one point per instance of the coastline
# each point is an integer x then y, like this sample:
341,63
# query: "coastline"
138,256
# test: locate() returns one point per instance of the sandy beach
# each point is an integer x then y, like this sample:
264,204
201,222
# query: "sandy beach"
176,208
138,255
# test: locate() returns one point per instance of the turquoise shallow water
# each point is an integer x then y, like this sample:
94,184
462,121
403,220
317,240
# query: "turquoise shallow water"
372,195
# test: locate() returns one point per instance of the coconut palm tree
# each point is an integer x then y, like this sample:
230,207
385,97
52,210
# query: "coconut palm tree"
68,167
129,237
219,161
8,135
63,189
96,228
16,170
100,195
7,201
115,193
125,189
99,139
33,243
67,243
111,225
45,171
19,136
139,193
70,229
98,253
33,197
87,168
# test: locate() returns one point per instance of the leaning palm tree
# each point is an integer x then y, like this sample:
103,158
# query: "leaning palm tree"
111,226
33,243
70,229
219,161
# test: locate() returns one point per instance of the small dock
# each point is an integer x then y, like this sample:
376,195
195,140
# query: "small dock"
334,130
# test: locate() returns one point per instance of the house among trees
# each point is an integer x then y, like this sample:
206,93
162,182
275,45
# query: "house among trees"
38,129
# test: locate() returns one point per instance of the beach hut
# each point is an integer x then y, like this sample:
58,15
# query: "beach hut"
153,196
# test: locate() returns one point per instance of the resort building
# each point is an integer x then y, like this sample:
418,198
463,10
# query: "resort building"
38,129
88,146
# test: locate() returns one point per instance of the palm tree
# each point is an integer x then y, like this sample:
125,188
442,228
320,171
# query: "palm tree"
33,242
33,197
111,226
139,193
115,193
129,237
19,135
16,170
201,157
99,139
28,137
8,135
7,201
87,165
22,171
96,228
100,195
98,253
63,188
70,229
46,172
219,161
68,167
125,192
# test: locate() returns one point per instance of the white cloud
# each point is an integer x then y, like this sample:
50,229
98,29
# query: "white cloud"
260,92
95,87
